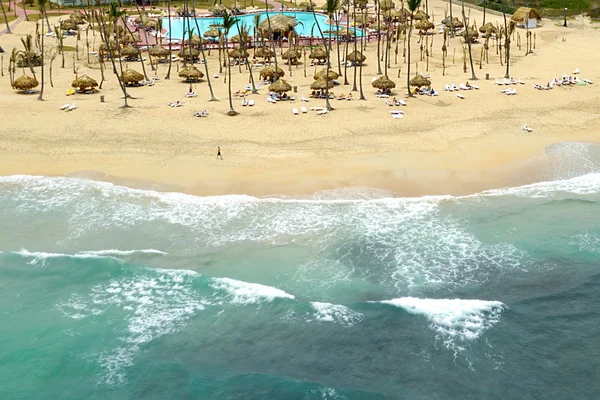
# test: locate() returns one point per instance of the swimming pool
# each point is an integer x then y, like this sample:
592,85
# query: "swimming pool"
306,21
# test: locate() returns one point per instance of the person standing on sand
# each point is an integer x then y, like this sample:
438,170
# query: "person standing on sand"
219,153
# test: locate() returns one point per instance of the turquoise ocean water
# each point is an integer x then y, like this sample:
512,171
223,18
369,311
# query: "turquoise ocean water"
112,292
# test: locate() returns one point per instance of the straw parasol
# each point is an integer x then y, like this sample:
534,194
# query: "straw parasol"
292,55
280,86
419,80
279,23
420,15
321,84
191,74
212,33
472,32
68,24
456,23
127,39
265,52
185,53
25,82
196,41
238,53
84,83
525,13
424,25
400,15
131,77
130,52
387,5
356,57
323,73
307,5
159,52
113,47
488,27
383,83
319,53
345,32
269,72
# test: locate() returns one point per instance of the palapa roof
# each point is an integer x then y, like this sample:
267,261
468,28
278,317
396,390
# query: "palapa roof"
212,33
424,25
472,33
291,54
132,76
280,86
323,73
265,52
400,15
127,39
130,52
279,23
238,53
321,84
319,53
523,13
68,24
159,52
307,5
84,82
345,32
457,23
191,73
383,83
420,15
356,56
386,5
269,72
113,46
196,40
419,80
185,53
488,26
25,82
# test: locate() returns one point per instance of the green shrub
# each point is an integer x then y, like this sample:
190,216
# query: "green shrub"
570,4
594,13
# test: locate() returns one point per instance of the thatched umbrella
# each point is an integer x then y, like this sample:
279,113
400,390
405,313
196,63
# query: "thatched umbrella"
383,83
524,14
84,83
25,82
185,53
159,52
131,77
321,84
292,55
191,74
318,53
104,50
420,15
238,53
306,5
212,33
127,39
130,52
488,27
68,24
279,23
356,57
419,80
269,72
424,25
323,73
78,18
456,23
265,52
400,15
345,32
280,86
472,32
387,5
196,41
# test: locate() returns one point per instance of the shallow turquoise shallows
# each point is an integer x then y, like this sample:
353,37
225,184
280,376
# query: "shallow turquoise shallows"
306,23
108,292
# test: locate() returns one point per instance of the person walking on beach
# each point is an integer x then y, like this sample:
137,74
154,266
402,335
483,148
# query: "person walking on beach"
219,153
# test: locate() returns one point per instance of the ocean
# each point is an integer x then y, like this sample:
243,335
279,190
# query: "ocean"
109,292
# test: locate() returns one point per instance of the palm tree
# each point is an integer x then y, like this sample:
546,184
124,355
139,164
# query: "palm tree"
243,34
212,94
506,42
228,23
468,39
42,7
451,21
413,5
170,40
347,4
378,11
362,19
271,38
332,6
5,19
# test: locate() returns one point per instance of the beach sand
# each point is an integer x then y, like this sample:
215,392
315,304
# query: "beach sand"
443,145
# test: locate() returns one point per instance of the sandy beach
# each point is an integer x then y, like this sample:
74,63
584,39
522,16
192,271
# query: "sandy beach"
443,145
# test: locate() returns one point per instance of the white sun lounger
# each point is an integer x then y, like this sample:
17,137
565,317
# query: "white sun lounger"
526,128
304,110
271,100
460,96
396,112
316,108
304,99
398,116
72,107
323,111
576,71
65,106
250,103
588,81
295,111
401,102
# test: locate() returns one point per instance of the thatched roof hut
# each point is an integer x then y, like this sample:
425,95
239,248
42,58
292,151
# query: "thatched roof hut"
472,32
307,5
420,15
269,72
488,27
128,39
238,53
399,15
196,41
132,77
456,23
321,84
25,82
387,5
383,83
292,55
419,80
279,23
212,33
160,52
191,74
185,53
318,53
130,53
356,57
323,73
104,50
84,83
424,25
528,17
280,86
265,52
68,24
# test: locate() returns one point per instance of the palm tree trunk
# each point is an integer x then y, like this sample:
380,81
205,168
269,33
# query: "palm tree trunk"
40,97
106,39
327,105
451,21
271,39
5,19
132,38
362,95
337,43
408,70
346,51
378,10
145,36
354,88
170,42
468,39
24,10
212,94
484,6
231,110
506,42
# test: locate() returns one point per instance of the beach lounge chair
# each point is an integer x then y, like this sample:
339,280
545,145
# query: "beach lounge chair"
65,106
250,103
463,87
304,99
383,95
576,71
397,112
176,104
460,96
244,102
72,107
70,92
271,100
304,110
526,128
398,116
295,111
588,81
390,103
193,94
322,112
316,108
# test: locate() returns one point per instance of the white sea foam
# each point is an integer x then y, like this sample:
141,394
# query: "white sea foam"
120,252
336,313
40,257
586,241
248,293
455,321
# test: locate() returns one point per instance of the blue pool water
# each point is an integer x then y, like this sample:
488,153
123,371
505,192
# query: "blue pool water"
306,23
